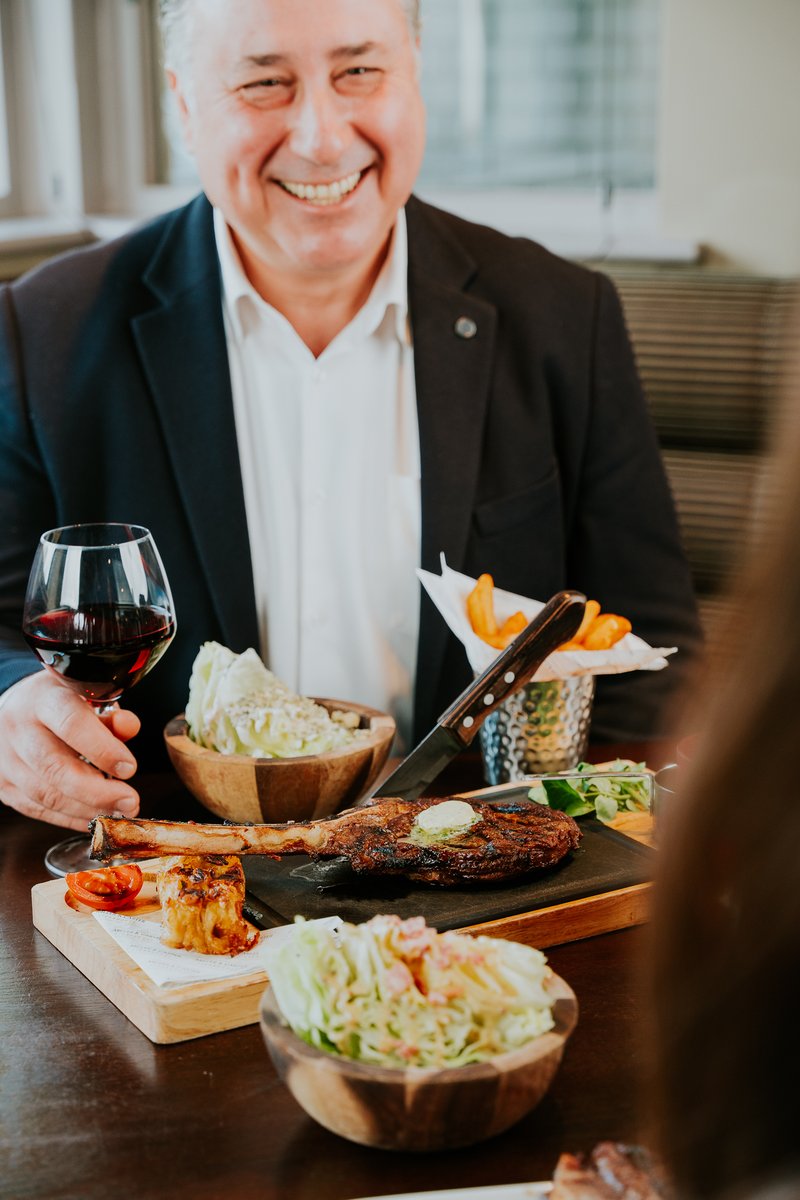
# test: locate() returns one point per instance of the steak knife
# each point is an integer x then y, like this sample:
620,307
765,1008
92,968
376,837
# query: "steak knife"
511,670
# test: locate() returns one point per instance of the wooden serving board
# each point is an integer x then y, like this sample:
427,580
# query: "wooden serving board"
164,1014
574,919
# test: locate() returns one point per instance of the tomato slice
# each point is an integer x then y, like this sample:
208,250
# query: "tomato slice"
107,888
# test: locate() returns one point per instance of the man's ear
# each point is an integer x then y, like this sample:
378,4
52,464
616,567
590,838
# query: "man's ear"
182,103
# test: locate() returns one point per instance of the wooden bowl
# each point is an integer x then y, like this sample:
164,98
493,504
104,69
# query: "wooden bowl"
418,1108
251,790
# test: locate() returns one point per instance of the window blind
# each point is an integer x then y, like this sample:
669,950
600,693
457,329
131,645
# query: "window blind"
541,93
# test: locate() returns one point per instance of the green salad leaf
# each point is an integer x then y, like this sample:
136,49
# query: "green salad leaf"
615,787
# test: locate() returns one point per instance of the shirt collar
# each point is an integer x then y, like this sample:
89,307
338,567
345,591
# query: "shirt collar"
389,289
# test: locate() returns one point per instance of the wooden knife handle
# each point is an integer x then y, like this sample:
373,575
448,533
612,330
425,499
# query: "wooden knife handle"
518,663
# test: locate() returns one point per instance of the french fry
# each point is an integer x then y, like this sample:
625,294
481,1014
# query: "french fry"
513,625
591,611
480,608
508,631
605,631
597,630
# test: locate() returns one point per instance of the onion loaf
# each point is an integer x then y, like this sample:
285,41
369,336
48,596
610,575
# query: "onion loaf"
201,904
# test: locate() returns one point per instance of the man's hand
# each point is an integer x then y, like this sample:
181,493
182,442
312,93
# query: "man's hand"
46,730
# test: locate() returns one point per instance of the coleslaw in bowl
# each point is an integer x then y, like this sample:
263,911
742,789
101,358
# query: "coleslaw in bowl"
393,1035
397,993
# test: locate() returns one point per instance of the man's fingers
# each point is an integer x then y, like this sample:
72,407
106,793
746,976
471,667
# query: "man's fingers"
58,761
29,808
65,778
123,723
73,722
79,794
57,782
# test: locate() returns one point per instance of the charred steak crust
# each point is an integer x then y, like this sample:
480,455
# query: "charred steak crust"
510,840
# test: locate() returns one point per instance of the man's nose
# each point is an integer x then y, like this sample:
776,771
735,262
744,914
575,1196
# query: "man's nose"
320,130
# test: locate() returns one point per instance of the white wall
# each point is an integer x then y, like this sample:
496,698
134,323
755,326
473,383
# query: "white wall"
729,164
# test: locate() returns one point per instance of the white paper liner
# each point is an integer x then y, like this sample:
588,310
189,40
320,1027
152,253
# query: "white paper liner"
140,937
449,593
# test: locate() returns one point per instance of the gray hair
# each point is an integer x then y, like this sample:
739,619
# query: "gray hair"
175,15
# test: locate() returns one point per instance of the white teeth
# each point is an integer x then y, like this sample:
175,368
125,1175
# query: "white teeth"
322,193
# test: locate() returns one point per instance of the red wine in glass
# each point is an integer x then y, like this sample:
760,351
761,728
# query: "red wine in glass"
101,649
99,615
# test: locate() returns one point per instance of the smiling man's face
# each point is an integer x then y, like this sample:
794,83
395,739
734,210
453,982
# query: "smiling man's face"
307,126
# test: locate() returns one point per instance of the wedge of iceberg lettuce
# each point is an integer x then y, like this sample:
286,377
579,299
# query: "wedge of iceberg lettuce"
237,706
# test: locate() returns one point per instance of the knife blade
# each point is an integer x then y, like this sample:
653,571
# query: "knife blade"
511,670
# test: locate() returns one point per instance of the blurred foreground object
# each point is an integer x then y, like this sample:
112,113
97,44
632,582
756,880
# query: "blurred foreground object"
611,1171
726,951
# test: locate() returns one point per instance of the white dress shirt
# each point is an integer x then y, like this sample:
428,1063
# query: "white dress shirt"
329,453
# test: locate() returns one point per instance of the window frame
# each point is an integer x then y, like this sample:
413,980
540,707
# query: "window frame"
9,203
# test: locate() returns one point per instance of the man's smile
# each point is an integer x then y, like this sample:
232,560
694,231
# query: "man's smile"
322,193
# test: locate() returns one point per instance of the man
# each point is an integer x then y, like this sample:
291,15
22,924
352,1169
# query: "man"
306,384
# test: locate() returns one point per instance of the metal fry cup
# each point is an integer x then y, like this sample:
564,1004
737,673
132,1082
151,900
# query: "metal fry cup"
542,728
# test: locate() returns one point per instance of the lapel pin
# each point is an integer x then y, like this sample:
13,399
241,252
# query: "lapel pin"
465,327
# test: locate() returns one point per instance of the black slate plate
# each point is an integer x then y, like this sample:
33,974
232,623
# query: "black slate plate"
281,889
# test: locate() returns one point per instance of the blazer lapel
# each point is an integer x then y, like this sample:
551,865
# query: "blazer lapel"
184,355
454,341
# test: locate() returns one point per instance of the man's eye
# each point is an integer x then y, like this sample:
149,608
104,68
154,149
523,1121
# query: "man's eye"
360,76
267,92
256,84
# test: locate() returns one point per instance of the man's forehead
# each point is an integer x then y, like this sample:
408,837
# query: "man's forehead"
345,50
244,34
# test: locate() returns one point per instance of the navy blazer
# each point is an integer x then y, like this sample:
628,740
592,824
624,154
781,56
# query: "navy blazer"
539,460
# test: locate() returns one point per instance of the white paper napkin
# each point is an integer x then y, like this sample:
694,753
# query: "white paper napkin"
140,937
449,593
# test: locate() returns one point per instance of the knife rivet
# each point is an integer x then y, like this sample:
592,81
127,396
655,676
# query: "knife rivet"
468,722
509,677
488,698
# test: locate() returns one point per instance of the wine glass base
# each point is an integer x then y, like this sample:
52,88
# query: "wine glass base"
70,856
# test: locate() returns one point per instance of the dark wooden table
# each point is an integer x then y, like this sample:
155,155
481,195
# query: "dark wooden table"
89,1107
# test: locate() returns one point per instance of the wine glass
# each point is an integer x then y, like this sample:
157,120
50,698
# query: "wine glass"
98,613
